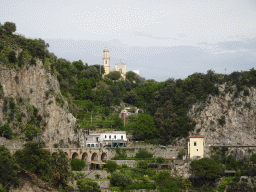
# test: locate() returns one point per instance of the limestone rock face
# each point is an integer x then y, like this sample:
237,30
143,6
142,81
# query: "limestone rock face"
238,112
32,82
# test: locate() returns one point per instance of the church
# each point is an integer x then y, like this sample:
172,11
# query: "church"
121,67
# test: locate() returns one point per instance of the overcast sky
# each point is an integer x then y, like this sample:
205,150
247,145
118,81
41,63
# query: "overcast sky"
162,38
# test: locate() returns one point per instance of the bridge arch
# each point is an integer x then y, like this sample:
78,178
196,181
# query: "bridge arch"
75,155
94,157
104,156
85,156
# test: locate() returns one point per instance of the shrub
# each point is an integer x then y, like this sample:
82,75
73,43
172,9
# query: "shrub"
141,186
160,160
86,185
77,164
12,57
33,61
6,131
222,120
246,92
9,27
1,91
142,164
55,145
120,180
181,153
1,46
111,166
143,154
115,188
97,176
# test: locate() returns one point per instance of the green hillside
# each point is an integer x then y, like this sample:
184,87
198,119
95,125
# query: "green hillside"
95,101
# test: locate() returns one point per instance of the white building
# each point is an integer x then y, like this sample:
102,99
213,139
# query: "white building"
110,139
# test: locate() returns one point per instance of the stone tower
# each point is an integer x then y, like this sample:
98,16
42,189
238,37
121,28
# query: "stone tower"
106,61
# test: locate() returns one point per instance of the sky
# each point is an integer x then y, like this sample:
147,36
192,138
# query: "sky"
160,38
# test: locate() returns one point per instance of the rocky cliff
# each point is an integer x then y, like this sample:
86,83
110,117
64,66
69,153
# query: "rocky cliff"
36,87
227,119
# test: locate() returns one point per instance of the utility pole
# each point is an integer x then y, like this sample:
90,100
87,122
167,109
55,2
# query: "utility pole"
124,120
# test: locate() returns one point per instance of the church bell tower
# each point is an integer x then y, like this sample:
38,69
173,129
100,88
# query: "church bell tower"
106,61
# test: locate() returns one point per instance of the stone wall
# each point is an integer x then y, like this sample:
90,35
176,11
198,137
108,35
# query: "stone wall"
165,152
11,144
91,174
103,184
129,163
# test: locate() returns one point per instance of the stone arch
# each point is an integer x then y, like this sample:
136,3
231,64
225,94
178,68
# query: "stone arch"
94,157
75,155
104,156
84,156
66,153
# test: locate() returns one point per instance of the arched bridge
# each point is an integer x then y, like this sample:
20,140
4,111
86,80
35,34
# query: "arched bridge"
87,154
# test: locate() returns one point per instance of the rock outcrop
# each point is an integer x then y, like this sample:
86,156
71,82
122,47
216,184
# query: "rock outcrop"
31,82
226,119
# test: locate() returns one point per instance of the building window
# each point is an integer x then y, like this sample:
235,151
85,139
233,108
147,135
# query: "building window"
105,136
106,62
122,137
194,143
196,149
115,136
109,136
92,145
88,145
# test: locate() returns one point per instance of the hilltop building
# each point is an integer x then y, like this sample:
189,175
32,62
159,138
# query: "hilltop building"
121,67
196,146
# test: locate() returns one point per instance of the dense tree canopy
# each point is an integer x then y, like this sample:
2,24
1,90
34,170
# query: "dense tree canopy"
53,168
207,168
144,127
9,27
8,168
114,75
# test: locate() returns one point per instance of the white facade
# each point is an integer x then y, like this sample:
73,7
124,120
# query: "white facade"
116,138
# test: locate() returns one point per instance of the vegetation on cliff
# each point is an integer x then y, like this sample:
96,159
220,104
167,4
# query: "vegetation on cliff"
51,168
90,96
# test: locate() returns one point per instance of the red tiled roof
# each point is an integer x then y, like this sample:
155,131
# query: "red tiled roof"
196,136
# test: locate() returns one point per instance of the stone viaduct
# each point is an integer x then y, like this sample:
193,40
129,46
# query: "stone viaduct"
88,154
